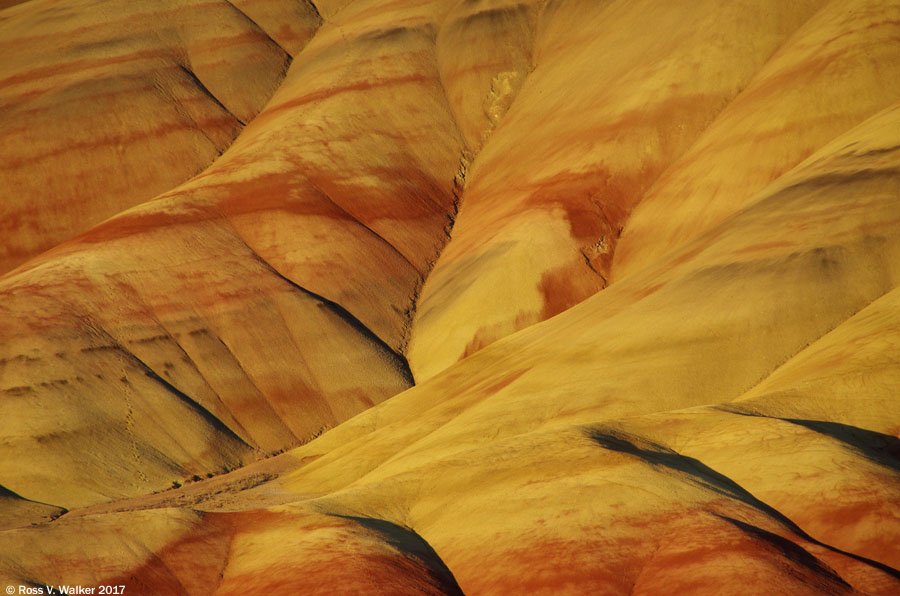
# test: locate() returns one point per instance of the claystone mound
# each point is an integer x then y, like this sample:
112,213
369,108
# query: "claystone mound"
450,297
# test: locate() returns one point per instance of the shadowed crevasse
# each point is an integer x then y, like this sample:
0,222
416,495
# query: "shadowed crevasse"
400,362
879,448
411,545
224,431
57,511
696,472
789,550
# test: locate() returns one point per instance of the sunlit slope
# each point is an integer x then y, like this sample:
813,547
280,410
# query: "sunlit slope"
288,550
834,72
105,104
756,452
671,503
722,419
823,455
595,114
704,326
691,114
252,307
561,512
843,388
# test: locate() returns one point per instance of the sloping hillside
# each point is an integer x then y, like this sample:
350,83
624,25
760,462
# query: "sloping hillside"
480,297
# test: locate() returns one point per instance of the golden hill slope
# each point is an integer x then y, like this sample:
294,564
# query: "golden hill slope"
719,419
106,104
250,307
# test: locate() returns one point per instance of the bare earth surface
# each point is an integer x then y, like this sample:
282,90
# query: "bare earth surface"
450,297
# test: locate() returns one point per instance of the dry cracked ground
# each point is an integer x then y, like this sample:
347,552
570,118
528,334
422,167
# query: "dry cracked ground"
450,297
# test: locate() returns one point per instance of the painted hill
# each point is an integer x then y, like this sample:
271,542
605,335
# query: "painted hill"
107,104
491,297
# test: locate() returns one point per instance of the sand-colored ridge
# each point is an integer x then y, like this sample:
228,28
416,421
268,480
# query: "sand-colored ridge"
822,82
549,193
643,487
599,346
231,282
181,80
365,350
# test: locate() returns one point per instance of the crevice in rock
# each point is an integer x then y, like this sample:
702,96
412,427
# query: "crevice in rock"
256,25
696,472
411,545
192,403
346,316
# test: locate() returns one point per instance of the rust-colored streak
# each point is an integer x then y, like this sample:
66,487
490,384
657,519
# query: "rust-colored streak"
66,68
321,94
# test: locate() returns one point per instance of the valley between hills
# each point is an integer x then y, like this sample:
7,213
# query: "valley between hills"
450,297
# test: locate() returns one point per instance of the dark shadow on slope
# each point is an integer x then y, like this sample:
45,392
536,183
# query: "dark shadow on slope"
6,494
411,545
876,447
204,90
696,472
399,360
113,344
18,511
788,550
